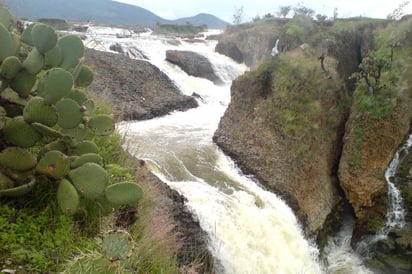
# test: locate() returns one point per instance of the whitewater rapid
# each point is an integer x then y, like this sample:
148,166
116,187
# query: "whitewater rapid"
251,230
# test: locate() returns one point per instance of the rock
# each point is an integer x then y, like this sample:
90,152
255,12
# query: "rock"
362,165
193,64
80,28
299,169
131,52
137,89
231,50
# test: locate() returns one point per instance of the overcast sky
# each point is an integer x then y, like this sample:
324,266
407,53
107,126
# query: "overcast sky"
225,9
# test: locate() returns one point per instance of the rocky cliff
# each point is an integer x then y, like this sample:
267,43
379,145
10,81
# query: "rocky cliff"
308,131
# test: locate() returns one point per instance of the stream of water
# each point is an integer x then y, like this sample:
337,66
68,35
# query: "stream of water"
251,230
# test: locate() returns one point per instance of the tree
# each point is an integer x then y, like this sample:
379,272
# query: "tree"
302,10
371,70
284,11
399,11
238,16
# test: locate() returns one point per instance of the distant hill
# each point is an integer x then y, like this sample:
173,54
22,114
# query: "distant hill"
101,11
211,21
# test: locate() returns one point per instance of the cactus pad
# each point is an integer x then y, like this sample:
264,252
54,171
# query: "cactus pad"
34,62
72,48
79,132
54,85
5,17
26,35
86,158
46,130
6,43
85,77
88,107
58,145
2,117
20,133
101,124
44,37
118,245
11,96
78,95
5,182
84,147
53,57
69,113
54,164
67,197
19,190
23,83
10,67
123,193
17,159
90,180
37,111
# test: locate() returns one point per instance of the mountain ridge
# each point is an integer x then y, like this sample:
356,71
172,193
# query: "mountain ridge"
102,11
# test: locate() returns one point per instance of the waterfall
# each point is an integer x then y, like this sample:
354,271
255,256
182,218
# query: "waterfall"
395,216
251,230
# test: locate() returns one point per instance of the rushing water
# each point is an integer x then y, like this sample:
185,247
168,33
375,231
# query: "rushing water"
251,230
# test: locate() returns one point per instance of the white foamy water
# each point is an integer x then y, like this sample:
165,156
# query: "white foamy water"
251,230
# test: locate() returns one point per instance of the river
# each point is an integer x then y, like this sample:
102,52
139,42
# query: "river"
251,230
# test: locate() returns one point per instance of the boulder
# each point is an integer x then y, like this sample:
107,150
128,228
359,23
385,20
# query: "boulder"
137,89
193,64
231,50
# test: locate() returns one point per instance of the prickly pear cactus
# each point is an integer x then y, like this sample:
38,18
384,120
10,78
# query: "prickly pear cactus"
47,122
118,245
123,193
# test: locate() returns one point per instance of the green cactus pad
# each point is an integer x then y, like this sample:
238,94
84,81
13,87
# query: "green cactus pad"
101,124
85,77
123,193
79,132
84,147
34,62
67,197
5,17
46,130
6,43
20,133
44,37
37,111
26,35
118,245
3,115
86,158
58,145
5,182
53,57
69,113
17,158
19,190
78,95
10,67
54,164
54,85
88,107
11,96
72,48
15,44
90,180
23,83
